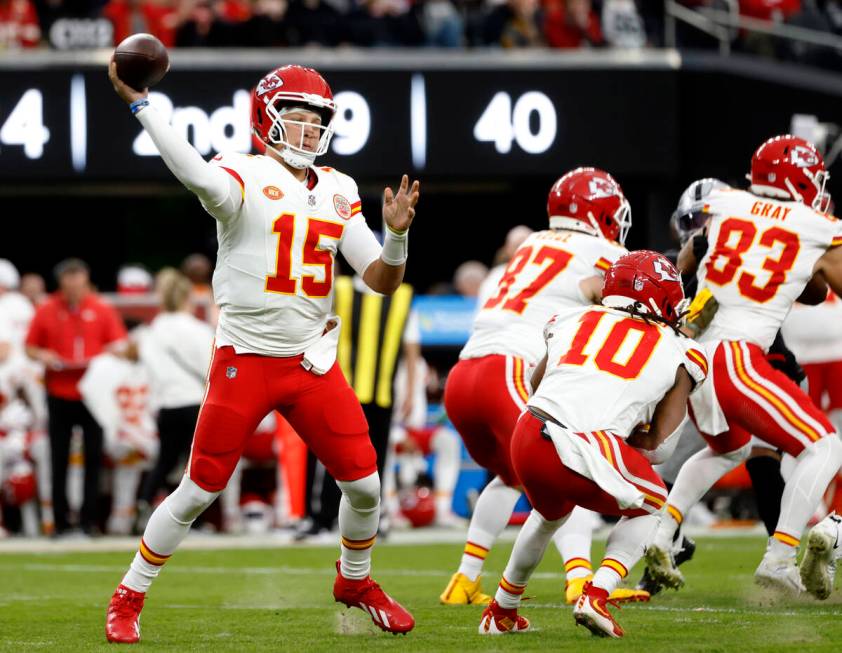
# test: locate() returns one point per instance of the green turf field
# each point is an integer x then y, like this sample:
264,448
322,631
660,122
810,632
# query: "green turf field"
280,600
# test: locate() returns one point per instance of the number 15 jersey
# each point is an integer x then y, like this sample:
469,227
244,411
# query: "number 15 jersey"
760,257
541,279
274,271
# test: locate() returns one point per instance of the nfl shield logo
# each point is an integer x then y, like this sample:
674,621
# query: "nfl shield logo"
231,372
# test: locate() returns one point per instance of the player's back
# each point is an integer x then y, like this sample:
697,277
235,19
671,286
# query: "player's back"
607,370
761,255
542,278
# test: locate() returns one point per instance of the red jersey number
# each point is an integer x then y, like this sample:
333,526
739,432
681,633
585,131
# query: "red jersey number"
727,258
606,355
282,282
558,259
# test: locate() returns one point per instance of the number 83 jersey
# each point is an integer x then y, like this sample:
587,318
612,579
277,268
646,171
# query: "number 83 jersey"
274,272
760,257
607,371
542,278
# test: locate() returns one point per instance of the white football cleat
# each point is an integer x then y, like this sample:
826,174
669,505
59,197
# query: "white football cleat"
818,567
662,569
779,574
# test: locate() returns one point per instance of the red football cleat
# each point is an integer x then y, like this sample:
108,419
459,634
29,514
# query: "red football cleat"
122,623
591,611
501,621
386,613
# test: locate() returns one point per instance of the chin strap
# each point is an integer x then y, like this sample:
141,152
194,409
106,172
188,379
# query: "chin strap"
296,160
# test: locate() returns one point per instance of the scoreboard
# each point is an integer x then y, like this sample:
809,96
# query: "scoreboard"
656,116
454,117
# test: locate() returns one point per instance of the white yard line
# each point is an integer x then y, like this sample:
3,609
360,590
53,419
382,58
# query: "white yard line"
203,541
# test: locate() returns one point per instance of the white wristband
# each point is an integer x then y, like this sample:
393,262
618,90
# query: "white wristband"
394,247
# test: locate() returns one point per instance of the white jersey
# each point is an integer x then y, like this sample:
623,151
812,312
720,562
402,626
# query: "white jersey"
274,272
116,392
607,371
761,256
814,333
542,278
176,351
18,378
17,311
488,287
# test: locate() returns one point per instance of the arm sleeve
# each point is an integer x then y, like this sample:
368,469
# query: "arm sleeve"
695,362
220,193
359,246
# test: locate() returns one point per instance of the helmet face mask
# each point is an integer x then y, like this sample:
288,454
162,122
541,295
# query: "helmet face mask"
287,90
591,201
690,214
292,150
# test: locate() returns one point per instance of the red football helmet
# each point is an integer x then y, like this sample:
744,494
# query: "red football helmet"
20,484
286,89
418,505
790,168
590,200
648,281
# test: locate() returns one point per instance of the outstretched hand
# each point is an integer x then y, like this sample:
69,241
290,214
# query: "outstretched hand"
126,92
399,209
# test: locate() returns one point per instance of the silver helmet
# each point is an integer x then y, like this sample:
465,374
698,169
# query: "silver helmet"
690,215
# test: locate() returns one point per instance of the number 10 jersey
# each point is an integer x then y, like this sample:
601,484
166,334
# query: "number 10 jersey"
607,371
541,279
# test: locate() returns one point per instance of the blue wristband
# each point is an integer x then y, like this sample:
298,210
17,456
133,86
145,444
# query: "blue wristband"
137,105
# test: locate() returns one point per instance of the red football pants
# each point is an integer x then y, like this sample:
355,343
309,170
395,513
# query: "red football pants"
483,398
243,388
825,378
554,490
759,400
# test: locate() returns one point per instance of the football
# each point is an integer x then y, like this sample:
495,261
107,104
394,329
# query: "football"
142,61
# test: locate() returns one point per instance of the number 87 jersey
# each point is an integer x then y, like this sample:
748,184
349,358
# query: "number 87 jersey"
542,278
761,255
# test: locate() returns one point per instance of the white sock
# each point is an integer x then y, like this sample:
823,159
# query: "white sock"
626,545
126,478
695,478
529,548
445,444
573,541
814,469
359,514
167,527
491,514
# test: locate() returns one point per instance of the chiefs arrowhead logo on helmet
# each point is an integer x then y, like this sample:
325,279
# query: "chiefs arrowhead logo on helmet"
803,157
665,272
269,83
600,188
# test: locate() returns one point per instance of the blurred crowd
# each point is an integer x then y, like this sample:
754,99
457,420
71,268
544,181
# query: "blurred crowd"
100,394
569,24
